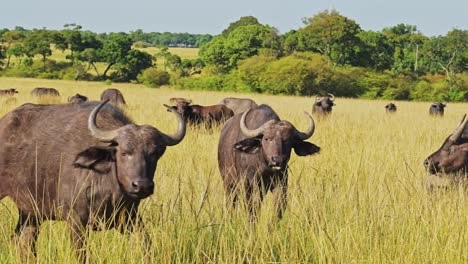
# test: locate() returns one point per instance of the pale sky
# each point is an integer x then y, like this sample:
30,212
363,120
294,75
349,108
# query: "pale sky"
431,17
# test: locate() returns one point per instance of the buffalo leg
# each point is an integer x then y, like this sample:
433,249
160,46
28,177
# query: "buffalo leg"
280,198
129,226
78,235
254,197
26,232
231,196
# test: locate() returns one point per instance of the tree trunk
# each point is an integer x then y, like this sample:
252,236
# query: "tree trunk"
95,69
43,62
107,69
416,59
8,61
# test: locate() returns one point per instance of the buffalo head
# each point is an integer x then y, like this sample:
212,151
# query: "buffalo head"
437,108
324,104
183,106
391,107
131,153
275,139
452,157
77,99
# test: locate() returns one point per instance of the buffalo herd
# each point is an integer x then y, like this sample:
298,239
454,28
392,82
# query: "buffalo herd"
96,165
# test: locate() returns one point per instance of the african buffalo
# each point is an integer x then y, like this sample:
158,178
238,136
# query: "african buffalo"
202,115
390,108
10,91
114,96
452,157
41,91
77,99
253,153
437,109
238,105
80,164
323,105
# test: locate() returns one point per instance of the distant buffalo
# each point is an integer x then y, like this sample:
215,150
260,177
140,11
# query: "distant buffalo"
452,157
77,99
114,95
41,91
437,109
90,166
10,91
202,115
390,108
238,105
324,105
253,153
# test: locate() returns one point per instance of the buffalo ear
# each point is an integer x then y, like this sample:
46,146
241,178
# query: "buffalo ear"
304,148
95,158
248,145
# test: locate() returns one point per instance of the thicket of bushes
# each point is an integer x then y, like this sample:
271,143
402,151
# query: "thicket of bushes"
307,73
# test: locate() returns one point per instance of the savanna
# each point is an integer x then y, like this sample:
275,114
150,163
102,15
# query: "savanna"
363,199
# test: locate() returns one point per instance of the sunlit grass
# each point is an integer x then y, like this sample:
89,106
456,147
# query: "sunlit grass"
361,200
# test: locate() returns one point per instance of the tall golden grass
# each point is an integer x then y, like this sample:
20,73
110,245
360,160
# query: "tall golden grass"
361,200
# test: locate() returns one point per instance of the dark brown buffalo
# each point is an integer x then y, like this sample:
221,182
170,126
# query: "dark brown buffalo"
41,91
114,96
238,105
86,165
437,109
390,108
10,91
253,153
77,99
202,115
452,157
324,105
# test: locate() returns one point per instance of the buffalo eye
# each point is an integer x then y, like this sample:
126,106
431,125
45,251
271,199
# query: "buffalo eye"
124,154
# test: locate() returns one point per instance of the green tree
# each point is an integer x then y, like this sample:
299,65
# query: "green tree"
114,50
13,46
449,53
72,40
134,63
89,56
223,53
163,53
376,51
243,21
39,42
333,35
406,41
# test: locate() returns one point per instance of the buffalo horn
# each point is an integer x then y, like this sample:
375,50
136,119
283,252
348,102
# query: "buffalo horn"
176,138
332,97
459,130
253,132
105,136
310,131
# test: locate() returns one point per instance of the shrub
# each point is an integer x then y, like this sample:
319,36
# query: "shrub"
141,44
153,77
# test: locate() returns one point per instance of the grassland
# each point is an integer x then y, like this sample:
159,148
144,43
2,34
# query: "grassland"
361,200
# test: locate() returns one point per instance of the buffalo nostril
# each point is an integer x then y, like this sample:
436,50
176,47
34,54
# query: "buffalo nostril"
135,185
